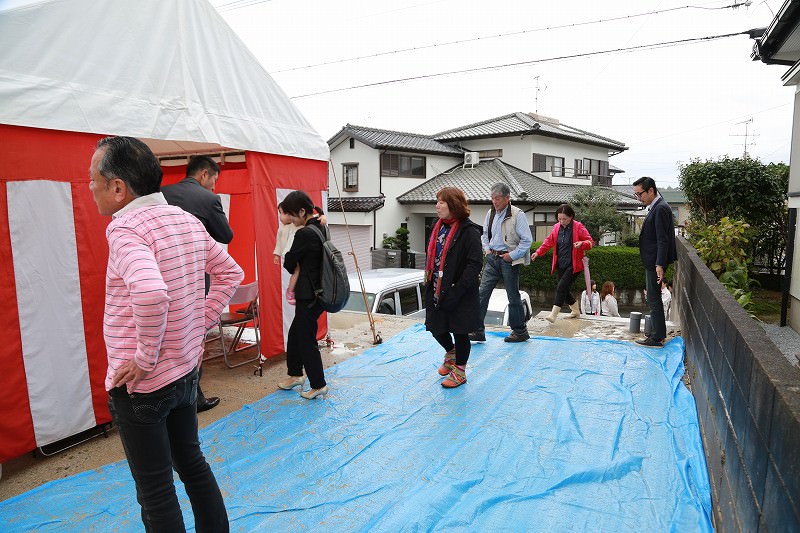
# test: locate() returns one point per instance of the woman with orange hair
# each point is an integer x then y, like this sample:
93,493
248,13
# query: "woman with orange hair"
452,277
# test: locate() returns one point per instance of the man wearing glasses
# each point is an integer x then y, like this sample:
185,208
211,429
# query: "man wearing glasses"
657,251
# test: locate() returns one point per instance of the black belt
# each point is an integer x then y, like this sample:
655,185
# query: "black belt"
500,253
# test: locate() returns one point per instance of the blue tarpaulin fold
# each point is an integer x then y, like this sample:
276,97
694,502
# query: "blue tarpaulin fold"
548,435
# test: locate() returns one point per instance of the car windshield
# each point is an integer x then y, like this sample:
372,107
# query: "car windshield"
356,301
493,318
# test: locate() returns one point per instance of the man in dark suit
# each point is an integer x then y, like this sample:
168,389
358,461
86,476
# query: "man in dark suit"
657,250
195,194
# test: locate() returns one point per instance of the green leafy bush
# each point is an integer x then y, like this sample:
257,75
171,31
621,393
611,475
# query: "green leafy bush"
738,283
399,241
717,244
620,264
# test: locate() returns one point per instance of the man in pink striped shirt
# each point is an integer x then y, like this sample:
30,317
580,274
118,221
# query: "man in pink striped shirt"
155,320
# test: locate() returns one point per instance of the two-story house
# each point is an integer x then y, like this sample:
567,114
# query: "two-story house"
384,179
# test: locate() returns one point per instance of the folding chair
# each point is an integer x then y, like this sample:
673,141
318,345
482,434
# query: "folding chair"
245,294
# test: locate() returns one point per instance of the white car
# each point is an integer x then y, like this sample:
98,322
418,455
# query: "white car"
400,292
389,291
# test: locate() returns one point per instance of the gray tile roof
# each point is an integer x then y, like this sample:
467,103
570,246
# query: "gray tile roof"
526,189
394,140
528,124
353,204
615,170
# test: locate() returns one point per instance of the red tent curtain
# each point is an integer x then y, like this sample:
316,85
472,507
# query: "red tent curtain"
269,172
33,154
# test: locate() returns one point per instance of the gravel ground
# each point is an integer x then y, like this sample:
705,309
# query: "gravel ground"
786,339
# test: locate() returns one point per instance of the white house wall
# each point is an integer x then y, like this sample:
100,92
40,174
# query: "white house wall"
519,153
368,160
794,203
392,214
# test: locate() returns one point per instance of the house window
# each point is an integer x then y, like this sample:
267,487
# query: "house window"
350,173
402,166
548,163
593,167
488,154
352,143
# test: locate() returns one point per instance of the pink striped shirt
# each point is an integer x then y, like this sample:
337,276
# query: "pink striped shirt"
156,311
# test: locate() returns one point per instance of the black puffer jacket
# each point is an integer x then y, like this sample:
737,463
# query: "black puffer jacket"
458,306
307,252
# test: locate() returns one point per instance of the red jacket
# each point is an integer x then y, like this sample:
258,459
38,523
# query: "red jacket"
579,233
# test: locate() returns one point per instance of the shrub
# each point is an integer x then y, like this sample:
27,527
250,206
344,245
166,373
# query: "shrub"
620,264
738,283
397,242
717,244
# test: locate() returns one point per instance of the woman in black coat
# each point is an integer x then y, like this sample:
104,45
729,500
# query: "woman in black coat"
452,276
302,351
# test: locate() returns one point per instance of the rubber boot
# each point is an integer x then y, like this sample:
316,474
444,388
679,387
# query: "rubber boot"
576,310
553,314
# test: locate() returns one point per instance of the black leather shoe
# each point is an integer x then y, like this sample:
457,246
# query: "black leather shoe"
477,336
210,404
650,342
517,337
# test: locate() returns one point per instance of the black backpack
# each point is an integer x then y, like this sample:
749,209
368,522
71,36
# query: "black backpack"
334,288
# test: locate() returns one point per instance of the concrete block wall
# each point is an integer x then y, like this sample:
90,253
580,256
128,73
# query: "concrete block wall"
748,402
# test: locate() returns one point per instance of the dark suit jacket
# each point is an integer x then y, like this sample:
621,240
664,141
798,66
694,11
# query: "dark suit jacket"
657,239
193,198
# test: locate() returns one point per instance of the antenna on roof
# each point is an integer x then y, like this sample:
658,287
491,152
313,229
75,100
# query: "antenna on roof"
536,94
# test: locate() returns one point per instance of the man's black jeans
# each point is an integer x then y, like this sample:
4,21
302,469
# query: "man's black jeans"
159,433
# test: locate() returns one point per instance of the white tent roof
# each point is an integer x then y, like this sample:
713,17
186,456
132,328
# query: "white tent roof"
160,70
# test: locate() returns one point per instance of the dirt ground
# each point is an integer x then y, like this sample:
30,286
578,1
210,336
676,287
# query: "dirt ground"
239,386
235,387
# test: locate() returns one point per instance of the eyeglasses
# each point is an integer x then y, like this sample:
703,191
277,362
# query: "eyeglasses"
638,194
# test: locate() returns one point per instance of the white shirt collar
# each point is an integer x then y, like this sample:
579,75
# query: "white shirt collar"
157,198
656,199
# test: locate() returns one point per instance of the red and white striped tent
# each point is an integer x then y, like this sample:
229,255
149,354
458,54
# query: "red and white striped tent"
174,75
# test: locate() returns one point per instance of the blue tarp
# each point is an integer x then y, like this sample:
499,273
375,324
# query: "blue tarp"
547,435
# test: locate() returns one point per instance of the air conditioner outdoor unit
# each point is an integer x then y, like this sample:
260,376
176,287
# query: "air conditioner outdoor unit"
471,158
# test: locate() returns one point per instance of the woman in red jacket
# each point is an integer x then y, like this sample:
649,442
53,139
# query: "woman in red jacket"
569,240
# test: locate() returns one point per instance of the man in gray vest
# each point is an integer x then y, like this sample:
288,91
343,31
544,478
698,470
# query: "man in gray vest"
506,243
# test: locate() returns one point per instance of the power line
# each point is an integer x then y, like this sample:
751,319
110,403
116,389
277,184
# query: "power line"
239,4
666,44
500,35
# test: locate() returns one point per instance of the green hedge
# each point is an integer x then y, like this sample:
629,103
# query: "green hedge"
620,264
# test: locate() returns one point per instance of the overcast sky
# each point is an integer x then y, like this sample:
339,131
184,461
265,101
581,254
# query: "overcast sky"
668,105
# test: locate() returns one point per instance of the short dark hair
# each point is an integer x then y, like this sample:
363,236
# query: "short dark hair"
566,209
131,161
296,201
198,163
456,202
646,183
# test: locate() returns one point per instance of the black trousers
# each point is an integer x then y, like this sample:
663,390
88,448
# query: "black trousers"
565,278
302,350
159,433
462,345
